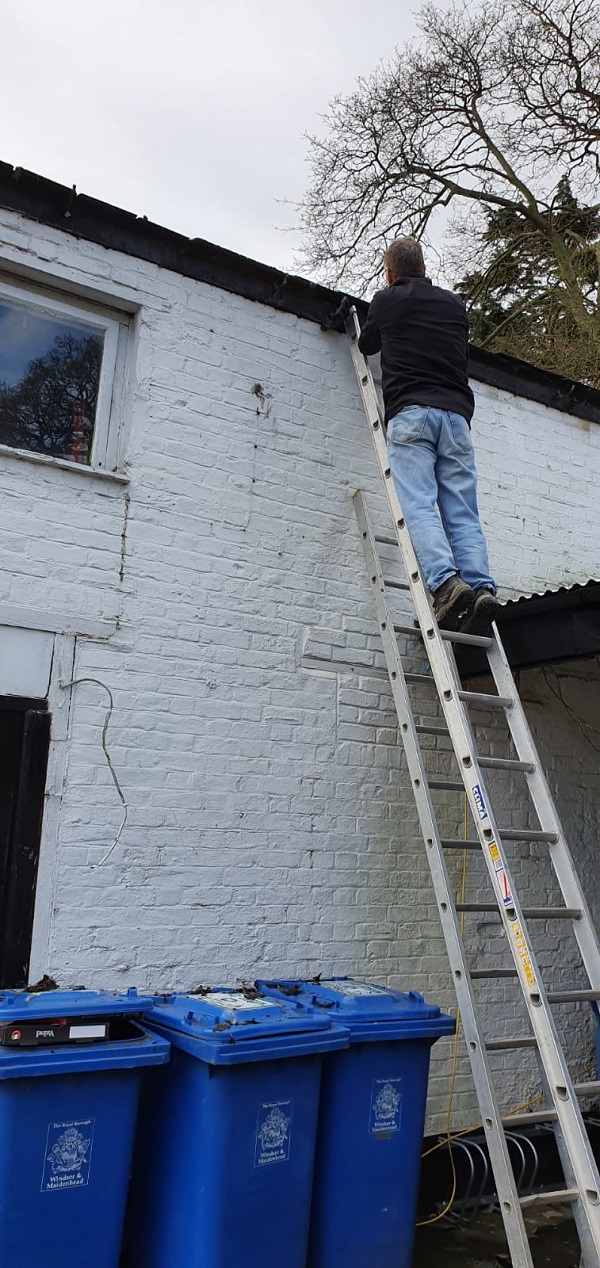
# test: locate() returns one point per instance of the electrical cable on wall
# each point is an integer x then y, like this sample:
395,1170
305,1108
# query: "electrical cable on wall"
76,682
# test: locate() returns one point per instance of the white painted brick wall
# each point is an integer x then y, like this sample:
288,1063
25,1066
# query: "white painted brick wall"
271,829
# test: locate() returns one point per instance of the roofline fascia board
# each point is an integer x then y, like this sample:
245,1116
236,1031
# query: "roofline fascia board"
63,208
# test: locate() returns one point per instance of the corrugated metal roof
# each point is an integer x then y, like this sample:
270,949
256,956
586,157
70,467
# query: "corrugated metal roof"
553,591
545,627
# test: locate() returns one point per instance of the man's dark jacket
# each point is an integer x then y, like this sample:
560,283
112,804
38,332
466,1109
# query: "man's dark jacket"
422,333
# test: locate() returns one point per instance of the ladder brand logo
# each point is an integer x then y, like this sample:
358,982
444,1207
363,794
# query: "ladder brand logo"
479,802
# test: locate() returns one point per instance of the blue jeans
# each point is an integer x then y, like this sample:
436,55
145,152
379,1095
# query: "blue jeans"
431,460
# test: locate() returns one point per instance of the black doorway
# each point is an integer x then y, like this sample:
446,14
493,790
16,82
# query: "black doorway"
24,739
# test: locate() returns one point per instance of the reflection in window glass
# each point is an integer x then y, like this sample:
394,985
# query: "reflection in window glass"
49,378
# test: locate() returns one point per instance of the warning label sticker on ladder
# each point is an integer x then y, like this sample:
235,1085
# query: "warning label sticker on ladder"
521,945
500,874
504,890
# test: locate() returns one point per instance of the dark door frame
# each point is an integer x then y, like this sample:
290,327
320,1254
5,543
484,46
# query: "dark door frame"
22,846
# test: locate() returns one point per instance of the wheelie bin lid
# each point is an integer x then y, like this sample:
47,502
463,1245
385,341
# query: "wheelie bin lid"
371,1013
227,1026
34,1004
51,1032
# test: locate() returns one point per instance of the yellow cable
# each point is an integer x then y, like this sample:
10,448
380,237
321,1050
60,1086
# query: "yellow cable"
516,1109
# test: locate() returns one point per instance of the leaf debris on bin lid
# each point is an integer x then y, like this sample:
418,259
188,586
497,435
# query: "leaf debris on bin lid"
249,992
45,983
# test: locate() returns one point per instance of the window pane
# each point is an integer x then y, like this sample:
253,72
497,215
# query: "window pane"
49,377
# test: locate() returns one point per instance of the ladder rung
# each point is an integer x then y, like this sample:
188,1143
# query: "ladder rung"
448,844
505,763
493,973
447,785
505,834
552,913
408,629
490,702
430,729
530,913
553,997
472,640
525,1041
572,997
527,834
398,585
385,541
529,1120
549,1196
587,1089
421,678
490,763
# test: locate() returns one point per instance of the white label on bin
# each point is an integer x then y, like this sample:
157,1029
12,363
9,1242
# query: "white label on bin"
354,988
386,1106
229,1001
68,1155
273,1132
88,1032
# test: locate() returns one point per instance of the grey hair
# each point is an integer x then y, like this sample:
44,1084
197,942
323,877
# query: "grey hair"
404,258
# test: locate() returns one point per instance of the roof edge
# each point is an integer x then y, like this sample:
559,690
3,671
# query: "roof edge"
539,629
63,208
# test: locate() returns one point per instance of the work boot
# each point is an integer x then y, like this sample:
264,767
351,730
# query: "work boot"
485,610
452,603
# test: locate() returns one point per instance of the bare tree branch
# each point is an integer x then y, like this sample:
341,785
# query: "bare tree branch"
496,109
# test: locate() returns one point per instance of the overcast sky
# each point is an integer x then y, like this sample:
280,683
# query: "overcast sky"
191,112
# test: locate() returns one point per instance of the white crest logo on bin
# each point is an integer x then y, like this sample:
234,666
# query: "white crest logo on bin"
386,1106
68,1155
386,1103
69,1152
273,1133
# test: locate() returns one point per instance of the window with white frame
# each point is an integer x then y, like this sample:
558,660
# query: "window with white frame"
58,360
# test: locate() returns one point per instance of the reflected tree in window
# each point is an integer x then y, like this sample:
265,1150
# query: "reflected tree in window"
51,409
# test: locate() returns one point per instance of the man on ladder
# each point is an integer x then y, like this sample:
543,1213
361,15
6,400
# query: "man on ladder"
422,333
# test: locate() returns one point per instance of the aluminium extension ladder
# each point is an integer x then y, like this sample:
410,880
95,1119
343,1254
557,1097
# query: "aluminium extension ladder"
582,1181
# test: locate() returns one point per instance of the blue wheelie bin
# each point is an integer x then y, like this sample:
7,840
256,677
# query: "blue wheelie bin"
225,1154
71,1064
371,1121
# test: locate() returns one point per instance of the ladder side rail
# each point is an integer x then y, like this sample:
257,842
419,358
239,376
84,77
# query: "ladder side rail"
457,721
587,1209
495,1137
560,854
455,714
510,1203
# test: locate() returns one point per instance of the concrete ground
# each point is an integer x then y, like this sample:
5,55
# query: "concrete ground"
481,1244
